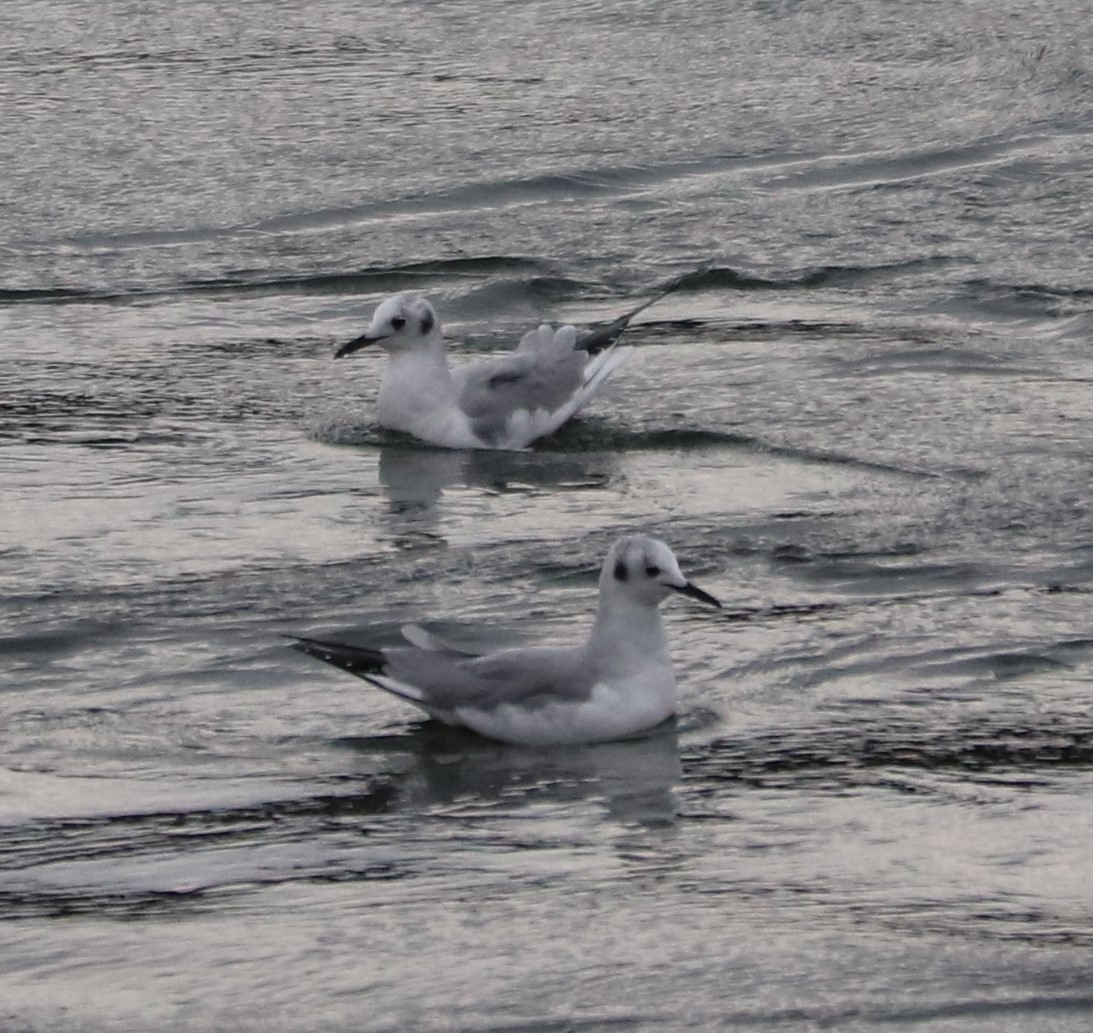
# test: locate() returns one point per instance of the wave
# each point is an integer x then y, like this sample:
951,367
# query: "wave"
1021,300
890,168
717,277
515,296
508,277
794,169
470,197
595,434
889,751
54,295
377,279
153,834
69,640
828,753
591,434
488,283
939,358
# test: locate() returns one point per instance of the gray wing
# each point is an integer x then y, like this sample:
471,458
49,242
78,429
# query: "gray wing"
531,677
521,382
540,377
417,636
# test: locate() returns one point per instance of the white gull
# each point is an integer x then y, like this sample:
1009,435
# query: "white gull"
498,403
616,684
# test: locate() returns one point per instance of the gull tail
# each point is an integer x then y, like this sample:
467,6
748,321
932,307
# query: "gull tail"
362,662
605,336
369,664
596,372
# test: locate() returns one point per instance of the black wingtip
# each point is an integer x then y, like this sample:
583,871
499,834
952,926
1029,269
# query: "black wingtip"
605,336
357,660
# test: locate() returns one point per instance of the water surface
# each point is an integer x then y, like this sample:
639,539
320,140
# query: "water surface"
863,421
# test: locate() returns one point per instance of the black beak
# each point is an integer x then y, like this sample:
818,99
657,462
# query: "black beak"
355,345
697,593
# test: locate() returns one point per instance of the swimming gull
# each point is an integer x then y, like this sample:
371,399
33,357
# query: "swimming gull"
498,403
616,684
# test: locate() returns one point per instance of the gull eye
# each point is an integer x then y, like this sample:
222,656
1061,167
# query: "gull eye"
398,322
652,570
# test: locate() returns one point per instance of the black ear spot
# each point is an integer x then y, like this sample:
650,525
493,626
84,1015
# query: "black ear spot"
621,573
427,322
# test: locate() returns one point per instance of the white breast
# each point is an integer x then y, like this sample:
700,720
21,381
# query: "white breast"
417,397
612,711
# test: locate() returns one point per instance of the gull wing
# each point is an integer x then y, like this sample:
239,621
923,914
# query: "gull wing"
521,390
443,679
532,391
443,683
416,635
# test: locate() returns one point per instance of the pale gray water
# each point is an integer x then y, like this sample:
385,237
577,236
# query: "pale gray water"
866,426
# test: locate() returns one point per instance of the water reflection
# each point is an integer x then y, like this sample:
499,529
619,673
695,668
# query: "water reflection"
438,766
414,479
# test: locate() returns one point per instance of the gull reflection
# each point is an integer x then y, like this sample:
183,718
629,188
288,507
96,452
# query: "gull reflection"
414,479
635,778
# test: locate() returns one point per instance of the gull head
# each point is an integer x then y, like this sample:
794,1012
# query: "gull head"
645,571
403,321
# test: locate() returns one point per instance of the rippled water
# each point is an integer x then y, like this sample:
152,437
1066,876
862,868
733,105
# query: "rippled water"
864,421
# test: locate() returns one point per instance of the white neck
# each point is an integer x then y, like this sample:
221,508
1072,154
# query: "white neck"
416,385
627,633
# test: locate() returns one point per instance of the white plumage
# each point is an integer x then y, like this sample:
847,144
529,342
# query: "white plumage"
501,403
617,683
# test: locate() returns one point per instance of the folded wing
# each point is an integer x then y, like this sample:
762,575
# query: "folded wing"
444,682
531,392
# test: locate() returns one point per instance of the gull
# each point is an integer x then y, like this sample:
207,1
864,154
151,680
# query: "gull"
499,403
618,683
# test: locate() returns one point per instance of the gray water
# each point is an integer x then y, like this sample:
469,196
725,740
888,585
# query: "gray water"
864,421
